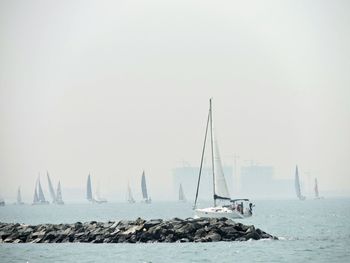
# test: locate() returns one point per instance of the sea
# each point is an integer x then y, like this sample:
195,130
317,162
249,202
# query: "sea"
308,231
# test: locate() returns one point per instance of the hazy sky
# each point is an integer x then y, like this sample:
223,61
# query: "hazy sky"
114,87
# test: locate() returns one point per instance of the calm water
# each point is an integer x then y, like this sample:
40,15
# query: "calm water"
310,231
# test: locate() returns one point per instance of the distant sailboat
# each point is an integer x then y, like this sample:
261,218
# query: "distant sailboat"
2,201
316,189
317,196
36,198
39,198
131,199
52,191
59,199
98,199
145,197
19,197
94,199
297,185
89,190
182,197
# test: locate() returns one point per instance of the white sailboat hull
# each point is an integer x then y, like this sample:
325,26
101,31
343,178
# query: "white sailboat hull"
147,201
220,211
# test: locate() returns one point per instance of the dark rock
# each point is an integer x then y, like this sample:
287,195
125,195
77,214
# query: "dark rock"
184,240
50,236
213,237
252,235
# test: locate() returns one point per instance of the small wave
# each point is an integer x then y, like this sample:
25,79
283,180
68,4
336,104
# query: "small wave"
288,238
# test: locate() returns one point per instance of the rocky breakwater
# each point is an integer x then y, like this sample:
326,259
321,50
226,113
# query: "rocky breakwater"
135,231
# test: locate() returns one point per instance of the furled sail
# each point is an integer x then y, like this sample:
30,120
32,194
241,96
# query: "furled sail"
52,191
143,186
89,189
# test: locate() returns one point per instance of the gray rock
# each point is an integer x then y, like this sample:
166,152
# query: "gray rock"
152,223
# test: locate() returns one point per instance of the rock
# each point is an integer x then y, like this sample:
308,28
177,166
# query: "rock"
37,240
50,236
213,237
252,235
114,225
8,240
184,240
38,234
145,236
133,229
151,223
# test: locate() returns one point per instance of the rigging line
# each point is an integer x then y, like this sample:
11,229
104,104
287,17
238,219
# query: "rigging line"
200,168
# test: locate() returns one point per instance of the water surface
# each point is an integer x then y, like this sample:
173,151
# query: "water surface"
310,231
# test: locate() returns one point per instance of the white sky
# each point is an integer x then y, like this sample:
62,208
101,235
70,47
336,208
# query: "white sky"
114,87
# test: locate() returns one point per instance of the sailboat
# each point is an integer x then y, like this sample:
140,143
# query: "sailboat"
36,198
131,199
19,197
2,201
146,199
39,198
317,196
182,197
96,198
236,208
297,185
52,191
89,189
59,199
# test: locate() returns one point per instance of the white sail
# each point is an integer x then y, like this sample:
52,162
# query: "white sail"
221,190
40,192
52,191
145,196
36,197
297,185
143,186
89,189
97,197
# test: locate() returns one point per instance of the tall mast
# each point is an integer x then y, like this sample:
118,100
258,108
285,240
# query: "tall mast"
200,168
212,148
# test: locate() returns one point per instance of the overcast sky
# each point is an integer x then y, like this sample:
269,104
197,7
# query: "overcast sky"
115,87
